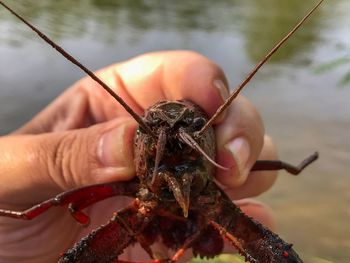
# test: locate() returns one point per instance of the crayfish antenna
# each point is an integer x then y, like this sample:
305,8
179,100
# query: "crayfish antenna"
255,70
137,118
186,138
160,151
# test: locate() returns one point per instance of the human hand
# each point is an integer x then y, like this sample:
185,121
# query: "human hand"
84,137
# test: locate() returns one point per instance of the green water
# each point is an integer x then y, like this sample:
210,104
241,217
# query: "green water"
303,110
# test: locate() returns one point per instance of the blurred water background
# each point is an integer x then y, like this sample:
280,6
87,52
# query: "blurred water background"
303,93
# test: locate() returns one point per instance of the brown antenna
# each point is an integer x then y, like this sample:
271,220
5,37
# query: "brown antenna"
255,70
86,70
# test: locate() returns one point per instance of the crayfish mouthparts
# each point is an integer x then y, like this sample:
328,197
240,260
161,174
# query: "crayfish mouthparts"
181,192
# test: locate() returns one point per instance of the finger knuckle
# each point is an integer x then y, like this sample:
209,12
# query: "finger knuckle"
60,161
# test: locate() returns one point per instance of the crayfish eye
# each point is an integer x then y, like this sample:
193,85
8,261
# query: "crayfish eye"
198,122
154,118
188,120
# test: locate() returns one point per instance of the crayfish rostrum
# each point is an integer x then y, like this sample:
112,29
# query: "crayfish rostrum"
176,200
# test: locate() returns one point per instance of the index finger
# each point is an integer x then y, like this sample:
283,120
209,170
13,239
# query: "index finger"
159,76
174,75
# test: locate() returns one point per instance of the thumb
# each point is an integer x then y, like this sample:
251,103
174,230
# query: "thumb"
36,167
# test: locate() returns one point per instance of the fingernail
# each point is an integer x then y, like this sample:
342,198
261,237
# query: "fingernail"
240,150
222,88
114,147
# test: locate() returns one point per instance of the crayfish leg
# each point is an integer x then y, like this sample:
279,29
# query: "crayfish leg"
77,199
265,165
107,242
188,243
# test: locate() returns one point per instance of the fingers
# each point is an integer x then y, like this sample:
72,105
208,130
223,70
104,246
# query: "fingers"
257,182
68,111
239,142
141,82
154,77
147,79
57,161
175,75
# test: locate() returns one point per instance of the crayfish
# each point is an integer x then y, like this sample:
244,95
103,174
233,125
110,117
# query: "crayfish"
176,201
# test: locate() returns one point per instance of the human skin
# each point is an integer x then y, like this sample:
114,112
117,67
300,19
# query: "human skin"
85,137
